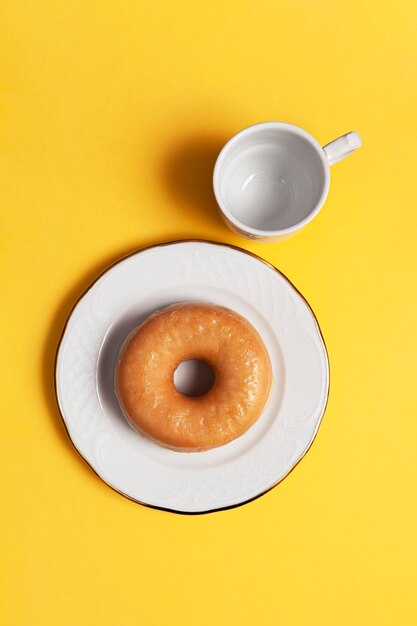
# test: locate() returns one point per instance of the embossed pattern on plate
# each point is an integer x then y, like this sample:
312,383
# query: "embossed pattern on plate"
126,294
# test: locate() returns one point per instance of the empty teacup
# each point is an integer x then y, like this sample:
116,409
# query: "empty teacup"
271,179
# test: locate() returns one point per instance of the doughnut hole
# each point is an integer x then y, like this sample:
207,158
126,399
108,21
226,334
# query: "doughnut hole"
194,377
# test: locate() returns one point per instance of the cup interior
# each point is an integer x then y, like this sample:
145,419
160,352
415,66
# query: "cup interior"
271,178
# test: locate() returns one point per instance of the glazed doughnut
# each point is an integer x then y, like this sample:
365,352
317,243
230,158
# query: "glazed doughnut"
144,379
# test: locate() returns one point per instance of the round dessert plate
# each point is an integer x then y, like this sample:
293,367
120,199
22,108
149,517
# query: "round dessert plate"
125,295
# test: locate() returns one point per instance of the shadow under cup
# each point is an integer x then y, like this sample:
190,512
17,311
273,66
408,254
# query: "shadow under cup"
271,178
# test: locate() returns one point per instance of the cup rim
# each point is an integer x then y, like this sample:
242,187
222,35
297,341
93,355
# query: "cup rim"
296,130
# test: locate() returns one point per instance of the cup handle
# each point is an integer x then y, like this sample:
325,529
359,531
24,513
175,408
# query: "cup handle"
342,146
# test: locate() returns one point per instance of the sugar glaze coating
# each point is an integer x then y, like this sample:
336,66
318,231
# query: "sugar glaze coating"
144,380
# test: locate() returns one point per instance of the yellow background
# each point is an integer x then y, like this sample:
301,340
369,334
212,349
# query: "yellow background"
111,115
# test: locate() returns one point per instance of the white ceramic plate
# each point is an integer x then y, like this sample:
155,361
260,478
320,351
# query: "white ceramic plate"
123,297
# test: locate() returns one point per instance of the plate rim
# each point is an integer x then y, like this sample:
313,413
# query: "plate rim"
161,244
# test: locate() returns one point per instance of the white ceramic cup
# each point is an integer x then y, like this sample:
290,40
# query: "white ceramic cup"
272,179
